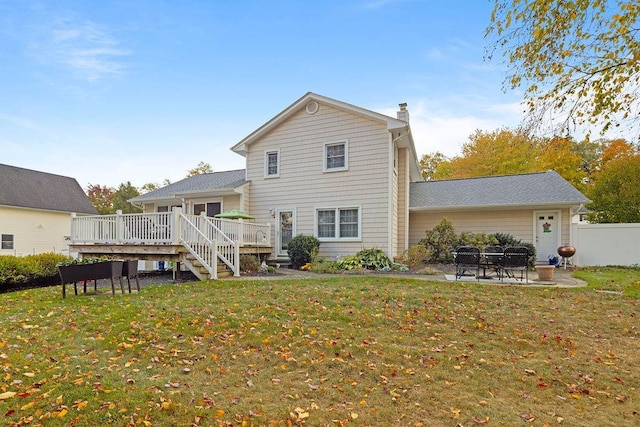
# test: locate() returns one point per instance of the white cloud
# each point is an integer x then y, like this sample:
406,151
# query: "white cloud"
86,48
378,4
445,127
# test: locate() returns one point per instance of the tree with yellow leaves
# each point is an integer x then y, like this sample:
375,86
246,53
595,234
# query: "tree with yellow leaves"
578,60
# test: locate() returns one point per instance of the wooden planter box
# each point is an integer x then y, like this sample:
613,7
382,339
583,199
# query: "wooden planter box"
130,271
84,272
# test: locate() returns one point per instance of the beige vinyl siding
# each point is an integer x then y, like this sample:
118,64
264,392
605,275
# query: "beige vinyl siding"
565,235
227,203
35,231
303,186
519,223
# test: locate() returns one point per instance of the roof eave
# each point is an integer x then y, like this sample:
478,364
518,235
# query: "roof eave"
203,193
541,205
390,122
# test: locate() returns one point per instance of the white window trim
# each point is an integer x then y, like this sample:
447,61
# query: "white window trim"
11,238
266,164
346,156
194,202
337,209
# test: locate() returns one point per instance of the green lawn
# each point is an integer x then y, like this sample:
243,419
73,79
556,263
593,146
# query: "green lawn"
356,351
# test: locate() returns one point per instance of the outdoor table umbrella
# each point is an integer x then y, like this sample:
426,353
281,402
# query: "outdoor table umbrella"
234,214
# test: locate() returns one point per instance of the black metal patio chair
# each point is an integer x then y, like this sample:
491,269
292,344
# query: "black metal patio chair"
467,258
516,259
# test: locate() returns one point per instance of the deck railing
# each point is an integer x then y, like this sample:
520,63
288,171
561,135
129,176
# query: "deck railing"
147,228
207,238
202,247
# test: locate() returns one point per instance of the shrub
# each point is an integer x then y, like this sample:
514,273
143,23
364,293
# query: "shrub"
326,267
48,262
415,255
249,263
440,241
16,271
480,240
506,240
349,263
369,259
302,249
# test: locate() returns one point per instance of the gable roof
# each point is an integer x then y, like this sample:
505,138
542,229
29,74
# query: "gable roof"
524,190
26,188
206,183
391,123
404,135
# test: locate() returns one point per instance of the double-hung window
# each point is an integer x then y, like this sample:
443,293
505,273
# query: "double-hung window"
338,223
272,164
336,156
7,241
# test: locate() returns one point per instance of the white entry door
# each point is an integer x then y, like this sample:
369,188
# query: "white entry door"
547,236
286,228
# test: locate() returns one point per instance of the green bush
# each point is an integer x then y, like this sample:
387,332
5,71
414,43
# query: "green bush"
302,249
440,241
480,240
249,263
369,259
415,256
507,240
325,267
17,271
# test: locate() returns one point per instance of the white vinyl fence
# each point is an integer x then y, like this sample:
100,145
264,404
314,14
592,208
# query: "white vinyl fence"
606,244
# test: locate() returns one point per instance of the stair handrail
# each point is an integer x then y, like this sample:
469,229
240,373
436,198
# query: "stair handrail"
203,249
228,250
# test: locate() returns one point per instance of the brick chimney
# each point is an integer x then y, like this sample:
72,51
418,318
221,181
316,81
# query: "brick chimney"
403,113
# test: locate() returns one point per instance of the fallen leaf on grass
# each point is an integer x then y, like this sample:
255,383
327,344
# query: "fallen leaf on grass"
7,395
527,417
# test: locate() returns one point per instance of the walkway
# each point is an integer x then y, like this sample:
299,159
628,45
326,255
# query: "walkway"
561,278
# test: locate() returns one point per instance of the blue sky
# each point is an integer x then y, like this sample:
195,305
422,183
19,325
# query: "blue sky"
141,91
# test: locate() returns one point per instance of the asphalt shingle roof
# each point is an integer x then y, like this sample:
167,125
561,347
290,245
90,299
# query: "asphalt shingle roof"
196,184
542,188
27,188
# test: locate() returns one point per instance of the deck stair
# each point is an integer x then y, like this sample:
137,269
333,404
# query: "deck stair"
209,247
201,272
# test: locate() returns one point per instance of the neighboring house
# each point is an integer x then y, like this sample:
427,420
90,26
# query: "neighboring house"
35,210
535,207
348,176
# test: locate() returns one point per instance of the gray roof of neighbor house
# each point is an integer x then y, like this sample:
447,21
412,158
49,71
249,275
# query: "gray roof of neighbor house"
31,189
533,189
202,183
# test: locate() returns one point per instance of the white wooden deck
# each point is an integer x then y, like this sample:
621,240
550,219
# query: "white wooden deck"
201,242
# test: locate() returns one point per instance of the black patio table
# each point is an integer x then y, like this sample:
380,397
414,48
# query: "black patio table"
488,260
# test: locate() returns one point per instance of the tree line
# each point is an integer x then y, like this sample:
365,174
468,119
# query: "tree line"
606,171
108,200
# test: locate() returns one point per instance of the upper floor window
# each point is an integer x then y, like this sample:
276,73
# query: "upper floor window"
272,164
338,223
7,241
336,156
